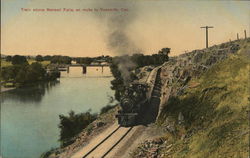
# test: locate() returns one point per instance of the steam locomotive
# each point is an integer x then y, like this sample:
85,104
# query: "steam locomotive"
132,104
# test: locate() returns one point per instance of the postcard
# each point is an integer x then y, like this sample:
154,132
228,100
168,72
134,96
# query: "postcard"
125,79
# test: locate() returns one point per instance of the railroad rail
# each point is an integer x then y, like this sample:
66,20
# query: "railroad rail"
105,139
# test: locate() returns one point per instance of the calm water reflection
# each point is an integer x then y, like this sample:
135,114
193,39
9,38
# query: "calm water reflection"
29,116
33,94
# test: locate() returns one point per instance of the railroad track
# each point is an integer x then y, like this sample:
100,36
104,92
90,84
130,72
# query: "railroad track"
102,147
102,142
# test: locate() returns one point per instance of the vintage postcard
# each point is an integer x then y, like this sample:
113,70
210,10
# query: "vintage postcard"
125,79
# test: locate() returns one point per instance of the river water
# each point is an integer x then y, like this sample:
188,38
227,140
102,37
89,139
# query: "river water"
29,116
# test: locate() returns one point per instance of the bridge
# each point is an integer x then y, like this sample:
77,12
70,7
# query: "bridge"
91,65
84,66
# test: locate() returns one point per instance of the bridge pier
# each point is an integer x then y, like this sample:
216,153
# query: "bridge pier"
67,69
84,69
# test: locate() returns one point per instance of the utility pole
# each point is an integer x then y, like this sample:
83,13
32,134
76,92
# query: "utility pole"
238,36
207,27
245,32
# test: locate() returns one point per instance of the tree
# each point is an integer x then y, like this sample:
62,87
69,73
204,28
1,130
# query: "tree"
21,75
19,60
7,73
47,57
61,59
24,74
8,58
73,124
85,60
35,72
164,51
39,58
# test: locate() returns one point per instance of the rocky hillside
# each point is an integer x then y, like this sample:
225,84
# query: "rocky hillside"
181,69
204,105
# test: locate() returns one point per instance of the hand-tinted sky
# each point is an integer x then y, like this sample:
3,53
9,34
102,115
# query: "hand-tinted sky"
155,24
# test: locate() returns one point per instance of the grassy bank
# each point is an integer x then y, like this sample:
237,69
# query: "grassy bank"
5,63
216,113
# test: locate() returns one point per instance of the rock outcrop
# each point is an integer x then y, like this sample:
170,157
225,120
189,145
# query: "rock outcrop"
180,69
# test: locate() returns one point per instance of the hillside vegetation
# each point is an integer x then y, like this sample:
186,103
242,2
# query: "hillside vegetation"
211,117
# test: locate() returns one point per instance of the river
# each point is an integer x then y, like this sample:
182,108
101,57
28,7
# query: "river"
29,116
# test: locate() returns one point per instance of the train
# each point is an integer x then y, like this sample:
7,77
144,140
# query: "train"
133,102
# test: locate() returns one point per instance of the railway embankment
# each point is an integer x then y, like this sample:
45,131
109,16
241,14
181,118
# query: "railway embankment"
204,109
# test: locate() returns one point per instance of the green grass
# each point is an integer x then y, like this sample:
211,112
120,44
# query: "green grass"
44,63
216,111
5,63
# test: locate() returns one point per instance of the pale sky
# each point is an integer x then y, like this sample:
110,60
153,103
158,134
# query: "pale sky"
151,25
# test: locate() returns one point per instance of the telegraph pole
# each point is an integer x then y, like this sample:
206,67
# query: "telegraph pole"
207,27
238,36
245,32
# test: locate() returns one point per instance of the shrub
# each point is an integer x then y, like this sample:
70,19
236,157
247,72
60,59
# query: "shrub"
73,124
106,108
19,60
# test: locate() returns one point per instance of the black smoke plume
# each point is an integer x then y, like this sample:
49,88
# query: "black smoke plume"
118,39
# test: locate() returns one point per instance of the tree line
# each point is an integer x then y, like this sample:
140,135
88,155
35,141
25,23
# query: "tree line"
56,59
22,73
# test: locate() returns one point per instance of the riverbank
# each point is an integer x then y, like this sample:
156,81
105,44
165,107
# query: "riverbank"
4,89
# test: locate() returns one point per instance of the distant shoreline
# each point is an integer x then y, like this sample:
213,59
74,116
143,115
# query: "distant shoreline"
4,89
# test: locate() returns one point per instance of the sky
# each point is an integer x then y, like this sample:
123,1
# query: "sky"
148,25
